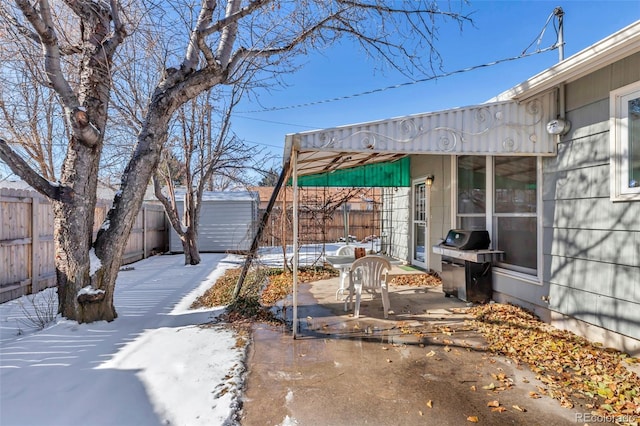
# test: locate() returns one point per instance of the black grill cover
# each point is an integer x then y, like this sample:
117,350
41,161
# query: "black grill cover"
467,240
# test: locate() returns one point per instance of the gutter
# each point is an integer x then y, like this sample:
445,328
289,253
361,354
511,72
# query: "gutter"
605,52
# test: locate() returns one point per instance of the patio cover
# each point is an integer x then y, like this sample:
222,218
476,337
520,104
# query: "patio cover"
496,128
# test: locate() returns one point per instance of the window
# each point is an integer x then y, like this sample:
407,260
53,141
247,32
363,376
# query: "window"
472,192
624,104
500,194
515,221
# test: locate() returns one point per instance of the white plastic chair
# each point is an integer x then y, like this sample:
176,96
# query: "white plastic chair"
369,273
344,274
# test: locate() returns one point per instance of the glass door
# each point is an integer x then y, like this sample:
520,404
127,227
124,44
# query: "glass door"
419,228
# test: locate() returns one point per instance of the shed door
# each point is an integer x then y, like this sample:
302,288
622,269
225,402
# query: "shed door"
225,225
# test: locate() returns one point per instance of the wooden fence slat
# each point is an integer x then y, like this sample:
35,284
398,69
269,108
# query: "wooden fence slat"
27,246
35,245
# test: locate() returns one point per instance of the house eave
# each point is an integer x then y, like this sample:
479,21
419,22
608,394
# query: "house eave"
500,128
599,55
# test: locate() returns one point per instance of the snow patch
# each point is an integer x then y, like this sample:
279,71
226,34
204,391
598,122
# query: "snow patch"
94,262
148,367
90,290
184,305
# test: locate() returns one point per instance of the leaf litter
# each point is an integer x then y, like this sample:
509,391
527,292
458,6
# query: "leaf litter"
572,369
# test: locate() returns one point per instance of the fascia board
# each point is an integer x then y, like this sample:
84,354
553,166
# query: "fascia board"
605,52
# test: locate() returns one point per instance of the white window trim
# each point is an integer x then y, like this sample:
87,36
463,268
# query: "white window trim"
619,145
520,275
536,278
427,247
540,214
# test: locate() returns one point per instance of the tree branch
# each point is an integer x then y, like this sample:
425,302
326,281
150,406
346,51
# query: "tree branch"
20,167
243,53
44,27
169,205
235,17
196,39
21,29
119,31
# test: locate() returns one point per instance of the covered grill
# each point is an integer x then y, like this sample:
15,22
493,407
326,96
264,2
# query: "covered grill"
466,265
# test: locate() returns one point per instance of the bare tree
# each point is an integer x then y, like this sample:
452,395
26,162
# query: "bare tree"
74,43
270,177
317,210
30,111
204,156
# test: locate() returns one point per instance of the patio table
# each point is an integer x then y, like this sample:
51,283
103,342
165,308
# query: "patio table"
343,264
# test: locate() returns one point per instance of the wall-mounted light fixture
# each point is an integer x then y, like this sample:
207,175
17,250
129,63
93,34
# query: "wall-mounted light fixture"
429,180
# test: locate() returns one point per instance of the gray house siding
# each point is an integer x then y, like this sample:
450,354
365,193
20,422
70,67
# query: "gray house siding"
440,215
591,245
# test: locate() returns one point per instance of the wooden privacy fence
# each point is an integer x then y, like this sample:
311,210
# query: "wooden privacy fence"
318,228
26,240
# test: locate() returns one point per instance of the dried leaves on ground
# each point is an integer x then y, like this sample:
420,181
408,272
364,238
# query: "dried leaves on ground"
573,370
418,280
262,288
221,293
280,285
247,307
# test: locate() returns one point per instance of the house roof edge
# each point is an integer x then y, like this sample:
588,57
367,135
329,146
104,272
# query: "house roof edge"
600,54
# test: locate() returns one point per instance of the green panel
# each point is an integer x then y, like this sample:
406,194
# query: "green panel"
376,175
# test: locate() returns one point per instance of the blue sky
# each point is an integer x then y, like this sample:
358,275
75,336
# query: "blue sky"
502,29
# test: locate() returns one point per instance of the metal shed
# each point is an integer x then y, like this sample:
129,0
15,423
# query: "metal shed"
227,221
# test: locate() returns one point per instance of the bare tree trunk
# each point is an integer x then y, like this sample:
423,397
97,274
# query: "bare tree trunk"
190,247
74,264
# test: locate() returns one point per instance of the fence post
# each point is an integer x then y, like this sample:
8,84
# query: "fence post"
144,231
35,244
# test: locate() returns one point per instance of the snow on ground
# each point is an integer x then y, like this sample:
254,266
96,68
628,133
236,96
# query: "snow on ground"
153,365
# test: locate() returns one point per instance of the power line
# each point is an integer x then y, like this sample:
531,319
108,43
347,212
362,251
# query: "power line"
274,122
538,38
409,83
262,143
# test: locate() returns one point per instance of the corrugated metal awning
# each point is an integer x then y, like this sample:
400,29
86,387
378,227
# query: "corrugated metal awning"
499,128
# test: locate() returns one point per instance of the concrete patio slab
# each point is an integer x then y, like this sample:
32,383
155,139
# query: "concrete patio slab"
423,365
